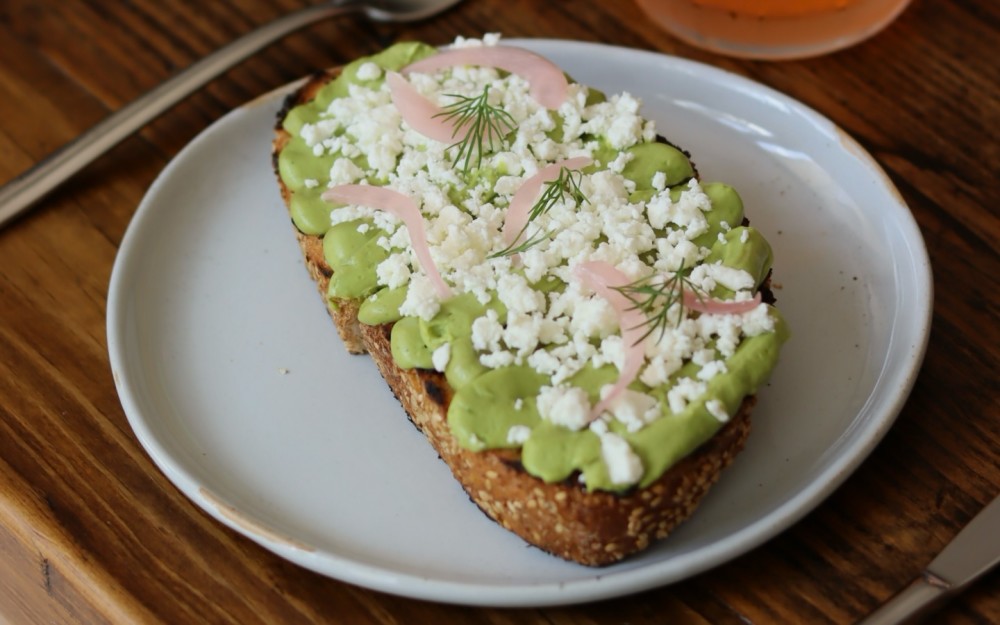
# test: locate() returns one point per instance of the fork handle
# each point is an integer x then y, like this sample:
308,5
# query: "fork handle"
30,186
922,596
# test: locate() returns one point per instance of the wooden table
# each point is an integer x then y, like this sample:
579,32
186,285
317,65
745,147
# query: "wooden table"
92,532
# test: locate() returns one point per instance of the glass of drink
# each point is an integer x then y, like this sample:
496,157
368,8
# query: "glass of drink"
773,29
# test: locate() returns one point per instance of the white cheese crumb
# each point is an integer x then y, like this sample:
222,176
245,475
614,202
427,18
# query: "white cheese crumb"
369,71
394,271
684,391
702,357
729,277
659,370
518,404
421,299
564,405
599,426
757,321
489,39
624,466
632,408
660,181
711,369
744,235
487,332
495,360
344,171
717,409
310,183
522,332
441,356
517,434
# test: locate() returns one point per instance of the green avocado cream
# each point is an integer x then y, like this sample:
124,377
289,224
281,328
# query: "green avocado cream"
489,402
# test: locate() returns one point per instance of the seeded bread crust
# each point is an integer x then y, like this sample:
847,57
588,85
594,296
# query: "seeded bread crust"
591,528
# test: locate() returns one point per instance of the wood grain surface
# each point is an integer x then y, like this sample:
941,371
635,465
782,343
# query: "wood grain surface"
92,532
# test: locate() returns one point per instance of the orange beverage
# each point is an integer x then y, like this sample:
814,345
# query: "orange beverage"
773,29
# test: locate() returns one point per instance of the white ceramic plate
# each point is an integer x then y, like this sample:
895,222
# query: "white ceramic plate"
235,382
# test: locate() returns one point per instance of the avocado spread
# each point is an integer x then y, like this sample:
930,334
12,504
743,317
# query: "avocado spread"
517,327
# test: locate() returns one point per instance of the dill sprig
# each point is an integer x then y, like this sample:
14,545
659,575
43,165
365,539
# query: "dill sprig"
567,183
655,295
479,124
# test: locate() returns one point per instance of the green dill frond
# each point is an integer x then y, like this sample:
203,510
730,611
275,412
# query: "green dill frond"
480,125
655,295
567,183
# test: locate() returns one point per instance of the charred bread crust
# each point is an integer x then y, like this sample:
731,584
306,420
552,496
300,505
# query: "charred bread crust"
593,528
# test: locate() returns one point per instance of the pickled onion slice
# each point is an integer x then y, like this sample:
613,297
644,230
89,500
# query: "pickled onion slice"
548,84
420,113
712,306
526,195
604,278
405,209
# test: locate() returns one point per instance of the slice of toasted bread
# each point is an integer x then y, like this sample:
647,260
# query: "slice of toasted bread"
590,527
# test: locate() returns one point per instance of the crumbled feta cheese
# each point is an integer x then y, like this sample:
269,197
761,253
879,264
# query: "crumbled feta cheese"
394,271
441,356
593,316
632,408
688,212
487,332
489,39
369,71
564,405
421,299
732,279
521,333
717,409
702,357
310,183
659,181
711,369
344,171
624,466
686,390
599,426
517,295
518,434
617,119
495,360
757,321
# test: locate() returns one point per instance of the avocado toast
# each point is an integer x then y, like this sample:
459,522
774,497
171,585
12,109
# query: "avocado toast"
574,320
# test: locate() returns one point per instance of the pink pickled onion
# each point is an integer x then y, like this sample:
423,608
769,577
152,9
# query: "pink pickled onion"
712,306
419,112
526,195
548,84
405,209
602,277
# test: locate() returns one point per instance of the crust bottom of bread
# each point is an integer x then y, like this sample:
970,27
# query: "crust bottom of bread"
592,528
